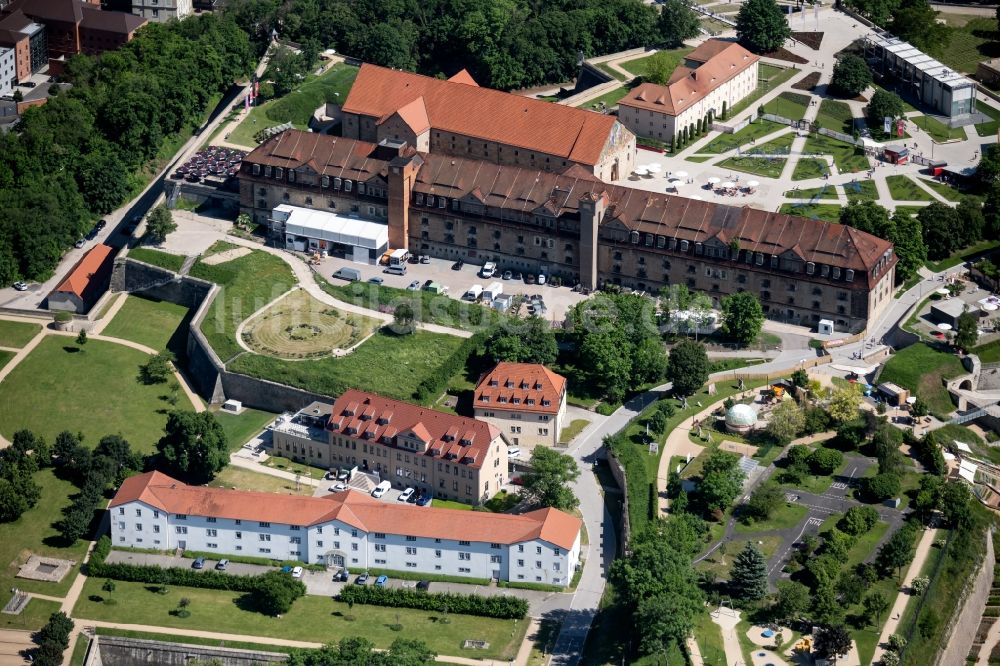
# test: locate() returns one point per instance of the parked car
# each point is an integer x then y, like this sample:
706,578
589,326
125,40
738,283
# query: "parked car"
361,579
406,494
424,500
375,280
488,270
412,499
286,569
80,243
101,224
349,274
423,585
381,581
507,275
424,259
427,283
414,286
529,278
541,278
457,266
29,84
222,565
297,572
198,563
517,275
514,453
342,576
381,489
337,487
21,286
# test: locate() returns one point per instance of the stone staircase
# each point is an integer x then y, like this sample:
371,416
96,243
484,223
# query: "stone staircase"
363,481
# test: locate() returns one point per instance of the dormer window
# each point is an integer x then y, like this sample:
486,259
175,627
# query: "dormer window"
494,382
836,273
256,169
291,175
484,398
849,275
502,399
336,183
810,268
529,401
546,403
508,384
324,181
347,186
684,246
442,202
774,261
516,401
279,173
267,171
524,385
430,199
420,199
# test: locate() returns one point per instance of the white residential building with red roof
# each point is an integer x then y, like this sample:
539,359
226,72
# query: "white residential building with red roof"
715,77
525,401
453,457
346,529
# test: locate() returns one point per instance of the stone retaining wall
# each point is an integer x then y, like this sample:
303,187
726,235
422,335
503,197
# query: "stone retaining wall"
120,651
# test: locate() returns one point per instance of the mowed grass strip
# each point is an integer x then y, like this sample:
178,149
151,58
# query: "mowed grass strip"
836,116
245,479
921,369
788,105
246,285
385,363
312,618
160,325
241,427
903,188
172,262
822,192
17,333
825,212
937,129
847,157
5,357
94,391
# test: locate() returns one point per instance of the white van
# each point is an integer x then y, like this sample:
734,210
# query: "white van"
489,269
381,489
474,292
397,269
349,274
495,289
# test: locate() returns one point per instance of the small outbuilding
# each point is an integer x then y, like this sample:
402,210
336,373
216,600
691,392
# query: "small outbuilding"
741,418
894,395
895,154
825,327
948,311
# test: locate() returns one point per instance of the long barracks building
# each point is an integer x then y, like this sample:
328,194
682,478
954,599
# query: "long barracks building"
570,224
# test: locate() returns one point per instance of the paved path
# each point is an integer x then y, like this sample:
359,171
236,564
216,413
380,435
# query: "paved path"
904,596
990,642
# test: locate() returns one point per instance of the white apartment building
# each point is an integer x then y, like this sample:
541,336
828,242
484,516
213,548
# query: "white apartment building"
8,71
525,401
716,76
162,10
347,529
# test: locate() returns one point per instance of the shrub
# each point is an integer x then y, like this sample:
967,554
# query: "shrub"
858,520
434,384
502,607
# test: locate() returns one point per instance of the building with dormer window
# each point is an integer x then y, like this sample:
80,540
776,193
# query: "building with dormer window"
452,457
526,401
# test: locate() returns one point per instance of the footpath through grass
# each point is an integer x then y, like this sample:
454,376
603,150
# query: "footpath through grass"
16,333
921,369
94,391
312,618
640,66
902,188
161,325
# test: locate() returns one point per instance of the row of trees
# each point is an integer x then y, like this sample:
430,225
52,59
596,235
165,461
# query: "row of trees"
52,640
79,155
357,651
912,20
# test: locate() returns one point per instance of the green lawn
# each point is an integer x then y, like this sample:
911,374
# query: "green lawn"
709,638
826,212
699,158
769,77
847,157
945,190
33,617
248,284
607,69
35,532
17,333
823,192
835,116
766,167
312,618
94,391
861,190
990,127
171,262
937,129
921,368
297,106
962,255
911,210
902,188
610,99
575,427
780,144
640,66
241,478
970,44
754,130
387,364
789,105
785,516
450,504
79,650
160,325
5,357
241,427
810,167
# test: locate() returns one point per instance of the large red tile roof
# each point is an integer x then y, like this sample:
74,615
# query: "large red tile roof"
462,108
92,266
531,385
356,509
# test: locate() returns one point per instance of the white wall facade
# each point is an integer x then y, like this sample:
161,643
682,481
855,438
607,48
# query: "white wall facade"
8,70
162,10
137,525
526,428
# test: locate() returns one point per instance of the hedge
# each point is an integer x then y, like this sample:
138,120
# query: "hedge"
432,578
246,559
502,607
434,384
538,587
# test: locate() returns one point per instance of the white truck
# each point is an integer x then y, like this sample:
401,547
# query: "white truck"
489,269
474,292
492,291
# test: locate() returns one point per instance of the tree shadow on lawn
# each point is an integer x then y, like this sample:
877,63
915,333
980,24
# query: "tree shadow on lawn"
71,350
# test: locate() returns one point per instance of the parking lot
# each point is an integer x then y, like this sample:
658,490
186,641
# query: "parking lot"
557,299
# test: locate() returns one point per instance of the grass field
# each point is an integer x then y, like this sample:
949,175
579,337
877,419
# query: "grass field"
921,368
766,167
248,284
720,565
246,479
610,99
810,167
94,391
911,210
16,333
79,650
450,504
714,27
32,618
312,618
970,43
990,127
785,516
640,66
172,262
789,105
824,192
902,188
945,190
575,427
836,116
769,77
779,144
754,130
241,427
962,255
937,129
297,106
387,364
861,190
158,324
848,158
607,69
5,357
299,326
827,212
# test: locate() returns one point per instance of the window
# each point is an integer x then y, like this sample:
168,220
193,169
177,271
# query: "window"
410,550
156,529
210,520
182,516
495,559
437,553
538,564
263,524
380,548
520,548
264,537
538,550
495,546
264,550
295,540
181,530
239,535
411,538
465,556
378,535
138,527
347,186
211,533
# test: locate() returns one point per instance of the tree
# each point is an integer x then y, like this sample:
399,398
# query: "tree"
660,65
786,421
967,332
275,592
791,602
742,317
908,238
548,481
404,319
687,367
677,22
874,605
721,480
897,552
882,486
800,378
883,103
609,368
824,461
530,341
108,585
851,76
157,369
763,502
919,585
858,520
916,22
920,408
988,169
844,404
748,577
160,224
194,445
761,26
833,641
867,216
942,229
81,339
